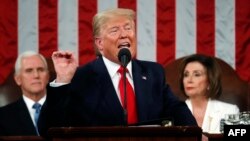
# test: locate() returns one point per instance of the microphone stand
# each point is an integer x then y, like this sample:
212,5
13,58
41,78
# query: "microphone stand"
124,57
125,96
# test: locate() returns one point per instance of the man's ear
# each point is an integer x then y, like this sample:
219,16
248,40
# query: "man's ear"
99,44
17,79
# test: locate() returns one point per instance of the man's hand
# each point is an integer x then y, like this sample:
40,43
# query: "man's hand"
65,65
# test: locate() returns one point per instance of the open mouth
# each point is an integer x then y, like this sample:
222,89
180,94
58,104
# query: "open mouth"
124,45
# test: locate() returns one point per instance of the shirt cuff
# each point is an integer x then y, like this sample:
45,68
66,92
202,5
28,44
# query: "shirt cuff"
55,84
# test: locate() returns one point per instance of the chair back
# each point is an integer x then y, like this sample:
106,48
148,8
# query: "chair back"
234,90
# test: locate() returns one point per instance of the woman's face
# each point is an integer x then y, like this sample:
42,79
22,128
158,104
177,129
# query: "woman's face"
195,79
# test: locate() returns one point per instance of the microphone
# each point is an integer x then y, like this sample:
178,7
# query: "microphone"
124,56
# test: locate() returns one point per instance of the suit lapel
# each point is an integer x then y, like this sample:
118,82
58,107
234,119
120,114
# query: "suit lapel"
213,115
24,117
141,80
107,89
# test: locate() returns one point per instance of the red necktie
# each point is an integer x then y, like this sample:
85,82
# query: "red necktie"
131,102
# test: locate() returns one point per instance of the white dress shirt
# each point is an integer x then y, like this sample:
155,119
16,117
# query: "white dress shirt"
115,75
29,103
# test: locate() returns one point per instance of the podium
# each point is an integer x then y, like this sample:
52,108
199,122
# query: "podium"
214,137
174,133
21,138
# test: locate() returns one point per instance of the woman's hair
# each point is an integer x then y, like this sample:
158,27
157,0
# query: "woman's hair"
27,54
213,73
100,19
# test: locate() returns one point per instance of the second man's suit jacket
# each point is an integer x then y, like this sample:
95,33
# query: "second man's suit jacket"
91,100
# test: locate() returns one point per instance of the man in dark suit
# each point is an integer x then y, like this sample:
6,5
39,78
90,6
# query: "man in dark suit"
20,118
90,95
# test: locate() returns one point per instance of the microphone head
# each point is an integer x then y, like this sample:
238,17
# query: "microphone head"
124,56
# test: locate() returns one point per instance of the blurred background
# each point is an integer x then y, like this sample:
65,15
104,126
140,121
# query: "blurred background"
166,29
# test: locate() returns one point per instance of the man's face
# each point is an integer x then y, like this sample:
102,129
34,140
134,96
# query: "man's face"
33,76
117,33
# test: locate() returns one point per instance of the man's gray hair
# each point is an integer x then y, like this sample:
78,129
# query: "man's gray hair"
28,54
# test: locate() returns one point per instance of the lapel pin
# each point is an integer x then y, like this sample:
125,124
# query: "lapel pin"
144,77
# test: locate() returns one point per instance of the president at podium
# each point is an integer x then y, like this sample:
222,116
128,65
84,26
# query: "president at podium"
115,88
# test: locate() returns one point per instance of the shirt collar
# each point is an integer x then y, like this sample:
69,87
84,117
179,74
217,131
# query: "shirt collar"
113,67
29,102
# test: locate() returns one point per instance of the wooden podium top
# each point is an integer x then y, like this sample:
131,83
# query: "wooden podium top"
21,138
121,133
126,133
214,137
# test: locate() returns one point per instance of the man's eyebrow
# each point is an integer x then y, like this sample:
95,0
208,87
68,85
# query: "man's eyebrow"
112,28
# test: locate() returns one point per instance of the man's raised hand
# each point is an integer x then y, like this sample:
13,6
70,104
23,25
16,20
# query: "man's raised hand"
65,65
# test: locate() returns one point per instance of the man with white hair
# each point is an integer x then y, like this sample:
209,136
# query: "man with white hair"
21,117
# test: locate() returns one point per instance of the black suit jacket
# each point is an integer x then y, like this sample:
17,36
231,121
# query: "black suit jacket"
90,99
15,120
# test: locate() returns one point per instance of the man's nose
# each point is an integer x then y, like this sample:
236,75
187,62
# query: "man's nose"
35,73
124,33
